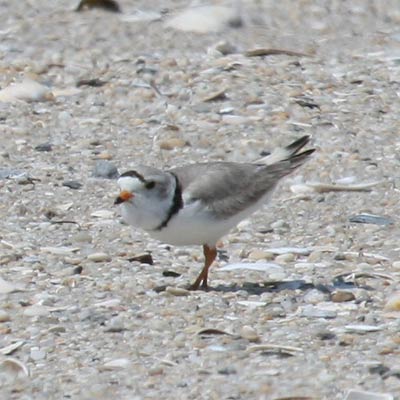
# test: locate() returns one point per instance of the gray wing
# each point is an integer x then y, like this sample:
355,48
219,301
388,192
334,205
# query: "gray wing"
229,188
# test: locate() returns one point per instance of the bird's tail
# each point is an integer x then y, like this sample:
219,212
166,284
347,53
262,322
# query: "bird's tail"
289,153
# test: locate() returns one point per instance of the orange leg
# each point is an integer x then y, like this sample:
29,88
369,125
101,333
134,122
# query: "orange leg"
209,253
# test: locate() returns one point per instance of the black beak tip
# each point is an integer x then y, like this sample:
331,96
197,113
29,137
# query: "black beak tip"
118,200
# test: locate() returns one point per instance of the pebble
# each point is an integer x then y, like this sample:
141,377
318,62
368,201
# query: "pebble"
170,144
46,147
28,90
326,335
393,302
105,169
224,47
312,311
99,257
116,324
361,329
176,291
257,254
72,184
36,354
202,19
57,329
340,296
234,119
80,237
4,316
119,363
6,173
396,265
36,311
371,219
7,287
73,260
314,296
144,258
249,333
285,258
60,251
355,394
158,370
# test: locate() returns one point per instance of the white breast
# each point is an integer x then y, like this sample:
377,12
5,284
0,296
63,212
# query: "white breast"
194,225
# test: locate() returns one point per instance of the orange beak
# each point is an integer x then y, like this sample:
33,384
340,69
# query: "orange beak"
123,196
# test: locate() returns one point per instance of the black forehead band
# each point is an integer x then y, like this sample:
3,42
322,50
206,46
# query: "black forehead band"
133,174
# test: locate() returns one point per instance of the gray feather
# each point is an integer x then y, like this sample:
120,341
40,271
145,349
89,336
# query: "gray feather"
228,188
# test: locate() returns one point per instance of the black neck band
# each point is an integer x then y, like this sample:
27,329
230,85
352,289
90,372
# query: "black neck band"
177,204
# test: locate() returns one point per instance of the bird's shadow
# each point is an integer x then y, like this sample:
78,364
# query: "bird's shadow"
257,288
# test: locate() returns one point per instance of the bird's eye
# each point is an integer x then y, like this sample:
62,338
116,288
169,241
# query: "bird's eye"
149,185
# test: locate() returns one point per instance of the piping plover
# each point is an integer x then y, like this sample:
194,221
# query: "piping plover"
199,203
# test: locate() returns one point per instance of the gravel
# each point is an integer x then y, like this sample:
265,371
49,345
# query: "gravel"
87,94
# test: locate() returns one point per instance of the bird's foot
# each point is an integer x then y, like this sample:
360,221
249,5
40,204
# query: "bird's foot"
197,286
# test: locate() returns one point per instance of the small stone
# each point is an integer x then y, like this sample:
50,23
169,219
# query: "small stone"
28,90
311,311
99,257
227,371
11,347
175,291
82,237
77,270
314,296
393,302
104,156
57,329
340,296
362,329
234,119
4,316
7,287
119,363
44,147
172,143
204,19
225,47
103,214
354,394
326,335
346,340
36,311
116,324
279,224
145,258
105,169
170,274
396,265
371,219
72,184
285,258
315,256
257,254
156,371
72,260
37,354
60,251
7,173
249,333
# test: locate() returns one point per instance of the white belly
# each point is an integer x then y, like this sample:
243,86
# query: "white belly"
192,225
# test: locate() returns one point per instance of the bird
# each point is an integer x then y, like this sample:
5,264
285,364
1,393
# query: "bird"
197,204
